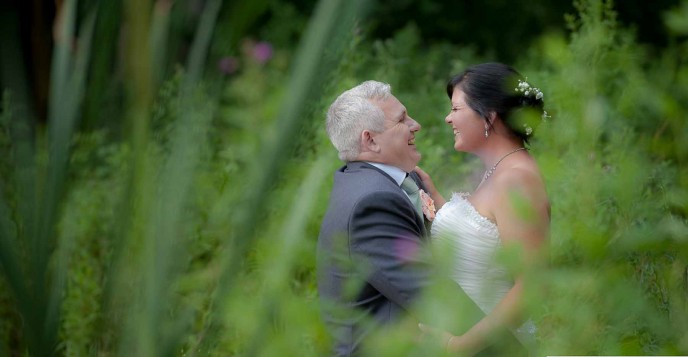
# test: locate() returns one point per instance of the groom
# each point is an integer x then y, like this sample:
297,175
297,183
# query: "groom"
368,267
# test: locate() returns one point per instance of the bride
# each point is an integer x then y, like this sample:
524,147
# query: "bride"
509,206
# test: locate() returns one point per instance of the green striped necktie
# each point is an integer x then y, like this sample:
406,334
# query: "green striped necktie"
409,186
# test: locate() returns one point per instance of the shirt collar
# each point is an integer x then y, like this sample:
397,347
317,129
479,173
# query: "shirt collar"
394,172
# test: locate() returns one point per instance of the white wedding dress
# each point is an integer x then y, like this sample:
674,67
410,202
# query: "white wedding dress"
473,242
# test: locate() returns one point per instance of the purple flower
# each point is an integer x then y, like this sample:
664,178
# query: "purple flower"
262,52
406,249
228,65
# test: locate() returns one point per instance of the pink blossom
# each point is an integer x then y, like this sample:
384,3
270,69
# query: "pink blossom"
406,249
262,52
228,65
428,206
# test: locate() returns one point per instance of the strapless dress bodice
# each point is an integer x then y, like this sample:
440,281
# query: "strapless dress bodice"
473,243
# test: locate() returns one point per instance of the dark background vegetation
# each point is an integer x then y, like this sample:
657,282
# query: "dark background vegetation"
498,30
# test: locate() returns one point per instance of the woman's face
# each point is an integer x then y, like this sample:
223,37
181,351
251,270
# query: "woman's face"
468,125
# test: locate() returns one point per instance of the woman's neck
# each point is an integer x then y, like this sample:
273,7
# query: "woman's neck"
496,148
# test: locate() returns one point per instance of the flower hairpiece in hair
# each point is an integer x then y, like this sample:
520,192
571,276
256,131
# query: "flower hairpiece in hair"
529,91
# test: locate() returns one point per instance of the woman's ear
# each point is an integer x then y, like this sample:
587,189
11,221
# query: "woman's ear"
491,117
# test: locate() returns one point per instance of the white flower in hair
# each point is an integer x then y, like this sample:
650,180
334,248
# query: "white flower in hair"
528,90
529,130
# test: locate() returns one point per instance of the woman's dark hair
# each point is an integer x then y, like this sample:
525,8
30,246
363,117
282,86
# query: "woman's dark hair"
490,87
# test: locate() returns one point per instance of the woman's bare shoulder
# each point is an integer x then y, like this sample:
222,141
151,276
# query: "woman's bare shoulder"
525,180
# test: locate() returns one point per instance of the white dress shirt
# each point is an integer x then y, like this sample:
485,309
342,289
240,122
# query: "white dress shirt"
397,174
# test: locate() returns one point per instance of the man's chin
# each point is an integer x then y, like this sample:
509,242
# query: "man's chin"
412,166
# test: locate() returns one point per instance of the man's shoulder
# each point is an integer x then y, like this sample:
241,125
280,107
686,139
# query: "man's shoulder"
365,175
359,168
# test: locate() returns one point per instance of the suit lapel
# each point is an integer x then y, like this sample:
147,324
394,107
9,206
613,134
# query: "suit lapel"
360,165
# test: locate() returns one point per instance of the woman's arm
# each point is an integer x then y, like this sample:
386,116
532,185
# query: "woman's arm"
521,209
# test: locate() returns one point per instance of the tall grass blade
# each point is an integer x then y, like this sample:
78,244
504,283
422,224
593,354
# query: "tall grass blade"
60,125
168,226
41,318
194,117
74,93
242,15
199,47
17,223
160,29
331,17
20,121
134,338
10,265
98,108
292,233
162,232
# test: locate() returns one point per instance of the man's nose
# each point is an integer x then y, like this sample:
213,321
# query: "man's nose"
415,126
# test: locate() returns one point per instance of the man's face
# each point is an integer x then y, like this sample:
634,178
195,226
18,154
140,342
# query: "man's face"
397,142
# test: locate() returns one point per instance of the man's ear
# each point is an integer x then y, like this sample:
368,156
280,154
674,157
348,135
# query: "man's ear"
368,142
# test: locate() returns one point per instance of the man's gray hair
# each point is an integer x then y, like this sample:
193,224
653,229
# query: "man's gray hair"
351,113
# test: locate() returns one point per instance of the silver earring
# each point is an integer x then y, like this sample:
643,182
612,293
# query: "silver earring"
485,133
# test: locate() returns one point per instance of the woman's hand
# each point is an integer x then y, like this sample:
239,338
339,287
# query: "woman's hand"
443,336
430,186
449,342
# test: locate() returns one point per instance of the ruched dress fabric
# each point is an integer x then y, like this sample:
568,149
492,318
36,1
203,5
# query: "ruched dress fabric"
473,242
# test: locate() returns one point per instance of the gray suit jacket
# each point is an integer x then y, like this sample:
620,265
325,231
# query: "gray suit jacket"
368,268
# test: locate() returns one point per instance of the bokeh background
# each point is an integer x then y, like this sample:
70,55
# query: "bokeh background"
164,167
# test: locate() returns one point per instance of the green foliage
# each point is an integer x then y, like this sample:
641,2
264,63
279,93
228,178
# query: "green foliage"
195,235
613,257
89,218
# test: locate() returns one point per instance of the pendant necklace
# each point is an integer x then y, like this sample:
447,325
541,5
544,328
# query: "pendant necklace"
489,172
